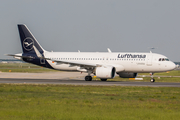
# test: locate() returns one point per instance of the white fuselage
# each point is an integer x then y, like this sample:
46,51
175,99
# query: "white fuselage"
123,62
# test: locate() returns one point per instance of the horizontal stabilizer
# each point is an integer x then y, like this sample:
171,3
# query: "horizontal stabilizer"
18,56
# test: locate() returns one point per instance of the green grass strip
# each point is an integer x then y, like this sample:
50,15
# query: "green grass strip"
67,102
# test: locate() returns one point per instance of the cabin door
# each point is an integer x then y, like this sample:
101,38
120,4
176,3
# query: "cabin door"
149,60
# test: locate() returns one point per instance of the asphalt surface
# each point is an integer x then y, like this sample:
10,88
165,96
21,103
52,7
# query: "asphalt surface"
71,78
82,82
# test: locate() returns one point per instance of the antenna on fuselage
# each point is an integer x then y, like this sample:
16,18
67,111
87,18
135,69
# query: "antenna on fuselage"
152,48
109,50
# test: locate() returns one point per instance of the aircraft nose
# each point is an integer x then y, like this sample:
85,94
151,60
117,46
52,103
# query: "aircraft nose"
171,66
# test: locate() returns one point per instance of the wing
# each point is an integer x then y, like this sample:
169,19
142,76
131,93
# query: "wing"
71,63
88,66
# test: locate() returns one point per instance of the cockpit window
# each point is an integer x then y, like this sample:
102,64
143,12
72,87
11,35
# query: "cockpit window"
166,59
163,59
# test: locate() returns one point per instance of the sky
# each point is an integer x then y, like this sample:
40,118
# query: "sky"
93,25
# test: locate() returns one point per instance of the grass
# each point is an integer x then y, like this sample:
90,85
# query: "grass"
67,102
18,65
23,67
28,70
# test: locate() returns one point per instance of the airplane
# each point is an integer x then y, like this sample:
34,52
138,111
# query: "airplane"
104,65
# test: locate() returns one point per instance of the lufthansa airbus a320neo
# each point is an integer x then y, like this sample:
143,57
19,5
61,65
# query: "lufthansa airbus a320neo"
103,65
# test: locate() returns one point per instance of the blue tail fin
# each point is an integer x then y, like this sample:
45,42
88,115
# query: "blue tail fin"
28,40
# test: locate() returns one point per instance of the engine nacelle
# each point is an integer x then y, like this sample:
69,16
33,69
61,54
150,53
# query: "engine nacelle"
105,72
127,75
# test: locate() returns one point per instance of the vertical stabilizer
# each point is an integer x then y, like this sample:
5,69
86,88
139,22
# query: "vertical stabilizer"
28,40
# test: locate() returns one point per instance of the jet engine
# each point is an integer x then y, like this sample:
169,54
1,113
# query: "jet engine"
127,75
105,72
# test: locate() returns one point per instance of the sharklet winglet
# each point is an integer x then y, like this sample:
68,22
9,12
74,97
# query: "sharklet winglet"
37,52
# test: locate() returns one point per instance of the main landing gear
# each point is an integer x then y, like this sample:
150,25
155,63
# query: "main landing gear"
88,78
103,79
152,79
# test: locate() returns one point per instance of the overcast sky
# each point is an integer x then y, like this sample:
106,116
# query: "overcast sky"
93,25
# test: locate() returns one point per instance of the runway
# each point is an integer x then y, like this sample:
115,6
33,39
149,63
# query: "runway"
65,78
82,82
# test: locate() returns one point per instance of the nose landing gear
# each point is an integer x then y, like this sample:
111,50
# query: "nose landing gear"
152,79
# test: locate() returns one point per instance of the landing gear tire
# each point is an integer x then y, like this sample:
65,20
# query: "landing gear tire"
103,79
152,80
88,78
